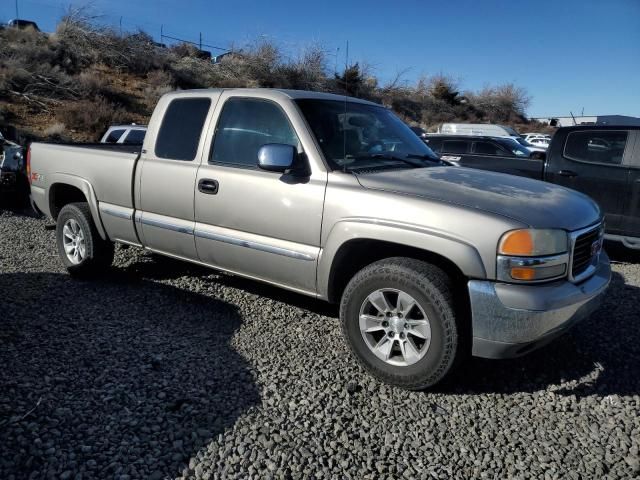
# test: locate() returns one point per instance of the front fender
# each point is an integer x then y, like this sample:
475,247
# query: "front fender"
464,255
86,188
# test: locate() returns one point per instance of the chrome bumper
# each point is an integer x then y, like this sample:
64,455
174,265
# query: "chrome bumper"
511,320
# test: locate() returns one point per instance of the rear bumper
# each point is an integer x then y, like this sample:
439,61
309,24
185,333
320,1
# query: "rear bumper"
511,320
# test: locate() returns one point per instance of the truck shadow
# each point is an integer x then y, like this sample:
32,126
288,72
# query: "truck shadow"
596,357
163,268
599,356
121,377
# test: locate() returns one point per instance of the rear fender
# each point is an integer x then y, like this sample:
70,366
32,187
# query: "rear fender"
86,188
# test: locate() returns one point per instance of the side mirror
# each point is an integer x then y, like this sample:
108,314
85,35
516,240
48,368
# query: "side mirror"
276,157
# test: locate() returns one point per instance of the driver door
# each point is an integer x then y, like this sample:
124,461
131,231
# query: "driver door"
250,221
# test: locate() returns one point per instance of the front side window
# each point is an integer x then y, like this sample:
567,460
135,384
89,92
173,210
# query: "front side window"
245,125
357,136
595,146
114,136
181,128
455,146
511,146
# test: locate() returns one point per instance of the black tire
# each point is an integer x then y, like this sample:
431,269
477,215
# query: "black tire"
98,252
432,290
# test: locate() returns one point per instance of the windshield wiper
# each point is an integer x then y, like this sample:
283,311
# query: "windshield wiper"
407,160
428,158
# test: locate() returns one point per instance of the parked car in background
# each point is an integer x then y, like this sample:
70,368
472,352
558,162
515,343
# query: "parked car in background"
485,129
540,142
600,161
528,135
128,134
22,24
529,146
500,154
12,166
336,198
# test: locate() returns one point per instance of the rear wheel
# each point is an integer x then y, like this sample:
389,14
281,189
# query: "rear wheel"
80,247
399,320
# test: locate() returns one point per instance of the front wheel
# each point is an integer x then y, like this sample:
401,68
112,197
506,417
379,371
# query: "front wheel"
398,317
80,247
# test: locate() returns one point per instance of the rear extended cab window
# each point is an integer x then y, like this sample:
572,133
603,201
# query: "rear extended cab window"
181,128
596,146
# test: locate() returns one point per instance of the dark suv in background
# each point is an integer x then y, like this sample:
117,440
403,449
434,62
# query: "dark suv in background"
602,162
499,154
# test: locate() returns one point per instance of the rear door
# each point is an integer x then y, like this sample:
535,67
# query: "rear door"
591,161
168,173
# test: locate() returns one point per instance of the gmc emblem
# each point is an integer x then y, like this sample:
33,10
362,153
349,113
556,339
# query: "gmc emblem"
595,247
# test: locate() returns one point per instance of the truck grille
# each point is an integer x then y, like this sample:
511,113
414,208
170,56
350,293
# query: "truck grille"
584,251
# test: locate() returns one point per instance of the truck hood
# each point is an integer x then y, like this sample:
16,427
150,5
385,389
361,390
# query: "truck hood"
531,202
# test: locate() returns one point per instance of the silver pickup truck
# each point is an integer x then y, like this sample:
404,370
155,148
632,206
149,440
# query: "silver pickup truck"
337,199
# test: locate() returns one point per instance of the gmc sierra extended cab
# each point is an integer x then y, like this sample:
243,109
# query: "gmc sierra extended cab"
600,161
337,199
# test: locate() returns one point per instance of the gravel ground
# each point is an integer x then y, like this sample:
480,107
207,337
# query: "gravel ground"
165,370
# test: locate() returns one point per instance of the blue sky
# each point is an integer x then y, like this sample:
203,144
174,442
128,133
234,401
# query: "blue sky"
569,54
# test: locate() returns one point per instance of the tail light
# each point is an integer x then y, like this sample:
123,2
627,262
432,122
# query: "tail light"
29,164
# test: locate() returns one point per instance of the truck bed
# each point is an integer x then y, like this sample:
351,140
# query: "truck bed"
108,168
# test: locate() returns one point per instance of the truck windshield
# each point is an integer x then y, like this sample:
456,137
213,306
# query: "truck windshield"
360,136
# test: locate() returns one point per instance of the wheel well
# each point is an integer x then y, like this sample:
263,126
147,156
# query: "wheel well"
61,194
354,255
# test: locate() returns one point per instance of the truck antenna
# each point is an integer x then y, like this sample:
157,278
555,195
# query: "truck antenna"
344,120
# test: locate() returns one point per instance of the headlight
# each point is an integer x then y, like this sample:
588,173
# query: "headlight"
531,255
532,242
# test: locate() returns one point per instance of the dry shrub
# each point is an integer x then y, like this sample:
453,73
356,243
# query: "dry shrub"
93,82
55,130
159,82
91,116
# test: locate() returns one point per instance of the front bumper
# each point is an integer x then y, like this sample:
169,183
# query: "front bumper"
511,320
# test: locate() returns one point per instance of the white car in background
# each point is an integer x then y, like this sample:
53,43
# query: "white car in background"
540,142
128,134
486,129
529,145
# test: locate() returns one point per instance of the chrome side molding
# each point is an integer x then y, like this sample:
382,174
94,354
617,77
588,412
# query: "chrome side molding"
255,245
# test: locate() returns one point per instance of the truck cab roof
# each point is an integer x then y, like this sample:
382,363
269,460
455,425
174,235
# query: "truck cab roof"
286,93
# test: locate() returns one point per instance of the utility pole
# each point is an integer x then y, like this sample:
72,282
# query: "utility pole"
121,26
17,14
161,34
200,41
